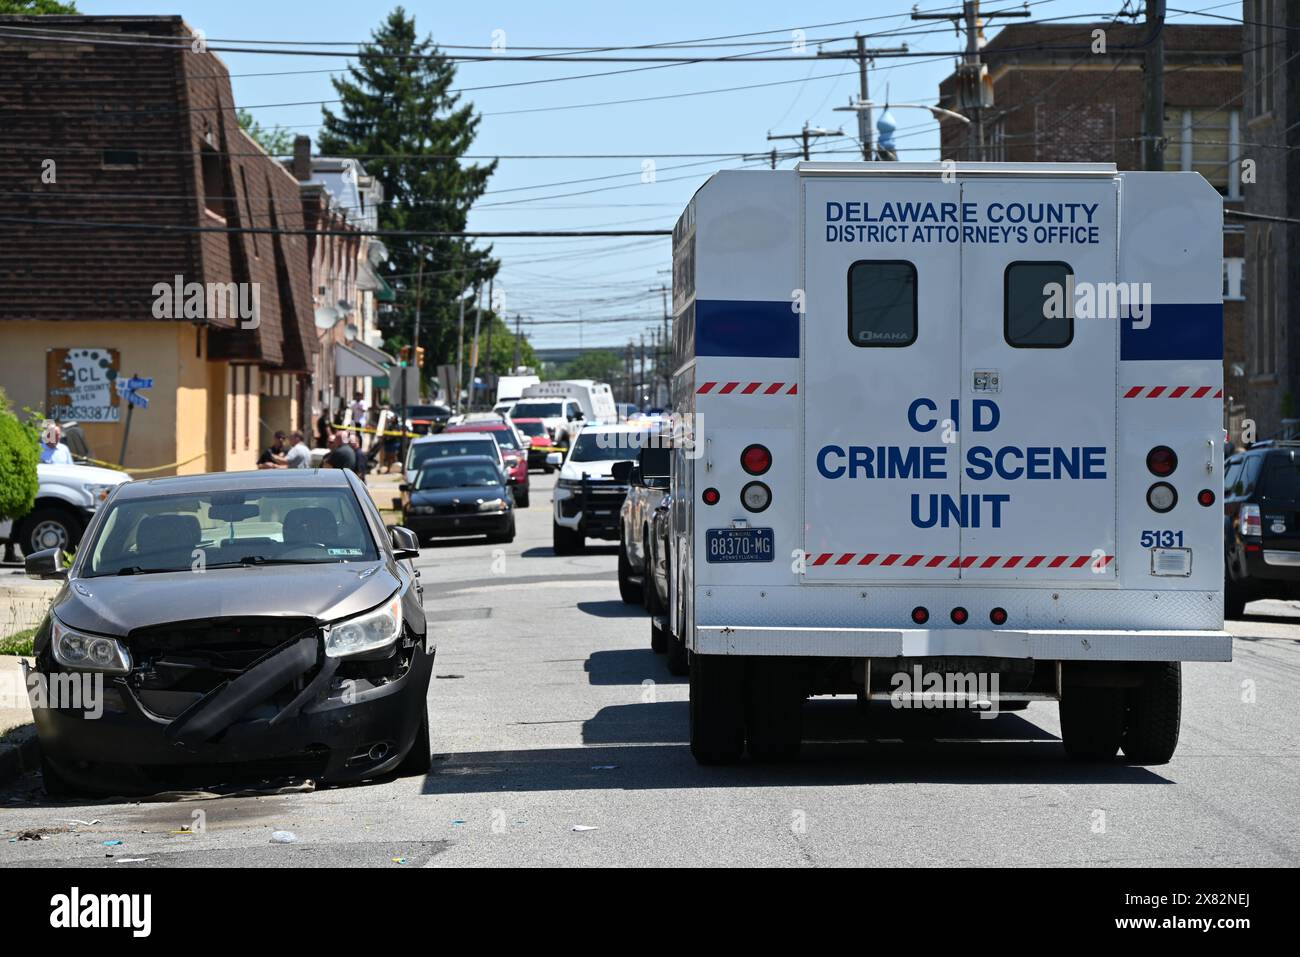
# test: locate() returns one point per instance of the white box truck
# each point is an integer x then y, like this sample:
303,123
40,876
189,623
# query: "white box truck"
957,440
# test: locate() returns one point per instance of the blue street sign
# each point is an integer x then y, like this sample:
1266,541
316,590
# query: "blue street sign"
136,399
133,383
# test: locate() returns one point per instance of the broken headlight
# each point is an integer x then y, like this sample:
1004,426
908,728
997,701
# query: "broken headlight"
366,632
82,652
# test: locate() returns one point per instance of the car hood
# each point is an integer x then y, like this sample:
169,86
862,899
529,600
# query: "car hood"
447,496
79,474
117,604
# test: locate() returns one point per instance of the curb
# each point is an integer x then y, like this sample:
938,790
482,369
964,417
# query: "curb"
17,757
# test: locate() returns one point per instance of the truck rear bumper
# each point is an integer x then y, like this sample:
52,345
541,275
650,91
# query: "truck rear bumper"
987,642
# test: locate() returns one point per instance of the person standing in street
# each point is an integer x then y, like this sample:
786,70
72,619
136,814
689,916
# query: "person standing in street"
341,455
298,456
53,451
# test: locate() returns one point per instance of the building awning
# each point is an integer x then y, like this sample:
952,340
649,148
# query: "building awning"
360,360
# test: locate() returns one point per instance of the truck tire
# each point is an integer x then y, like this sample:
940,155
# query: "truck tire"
48,526
1092,722
717,708
773,712
1153,715
628,590
658,636
565,541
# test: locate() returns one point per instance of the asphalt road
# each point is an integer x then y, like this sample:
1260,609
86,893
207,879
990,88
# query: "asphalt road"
561,740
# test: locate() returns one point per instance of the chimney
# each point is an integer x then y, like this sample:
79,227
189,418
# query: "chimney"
302,158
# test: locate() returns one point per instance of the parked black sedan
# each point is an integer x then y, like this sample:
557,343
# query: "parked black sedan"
233,626
459,495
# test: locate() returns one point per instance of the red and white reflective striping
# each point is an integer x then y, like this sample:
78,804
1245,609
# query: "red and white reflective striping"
1173,392
899,560
748,388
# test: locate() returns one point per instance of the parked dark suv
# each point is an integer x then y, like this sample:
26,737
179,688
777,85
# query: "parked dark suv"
1261,509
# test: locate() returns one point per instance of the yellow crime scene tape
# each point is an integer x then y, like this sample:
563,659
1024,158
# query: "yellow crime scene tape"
156,468
357,428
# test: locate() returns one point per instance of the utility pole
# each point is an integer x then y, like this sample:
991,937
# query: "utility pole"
1154,89
806,135
640,384
460,343
473,353
864,57
519,340
975,88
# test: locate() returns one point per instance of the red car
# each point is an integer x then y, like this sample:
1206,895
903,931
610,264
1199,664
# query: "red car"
540,440
513,453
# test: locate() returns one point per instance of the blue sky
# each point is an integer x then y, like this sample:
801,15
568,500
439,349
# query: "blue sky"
605,279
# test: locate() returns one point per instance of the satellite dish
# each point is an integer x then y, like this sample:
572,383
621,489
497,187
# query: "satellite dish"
327,317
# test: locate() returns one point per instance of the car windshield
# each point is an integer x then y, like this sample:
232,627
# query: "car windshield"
600,446
196,531
504,437
531,428
538,410
424,451
456,475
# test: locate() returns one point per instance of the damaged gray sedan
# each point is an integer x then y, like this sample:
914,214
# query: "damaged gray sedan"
233,627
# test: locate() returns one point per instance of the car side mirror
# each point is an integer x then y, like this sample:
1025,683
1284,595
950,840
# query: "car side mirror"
655,464
45,564
555,459
622,472
404,541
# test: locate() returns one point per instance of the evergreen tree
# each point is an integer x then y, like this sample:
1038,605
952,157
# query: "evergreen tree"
395,99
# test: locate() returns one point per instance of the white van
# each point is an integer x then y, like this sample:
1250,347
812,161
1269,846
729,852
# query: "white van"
567,406
957,435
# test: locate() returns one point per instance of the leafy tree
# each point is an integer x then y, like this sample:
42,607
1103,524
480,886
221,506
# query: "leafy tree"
37,7
396,100
599,364
277,141
19,456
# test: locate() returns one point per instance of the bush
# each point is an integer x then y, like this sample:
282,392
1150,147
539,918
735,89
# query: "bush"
19,455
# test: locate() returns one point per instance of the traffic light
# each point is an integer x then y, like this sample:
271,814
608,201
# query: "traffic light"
404,359
419,357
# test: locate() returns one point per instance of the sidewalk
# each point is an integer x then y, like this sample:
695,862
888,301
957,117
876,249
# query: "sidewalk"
383,489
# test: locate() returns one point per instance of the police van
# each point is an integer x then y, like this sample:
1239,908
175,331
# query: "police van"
947,435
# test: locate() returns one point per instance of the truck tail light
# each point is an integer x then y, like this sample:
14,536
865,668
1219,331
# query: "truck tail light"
756,459
711,496
755,497
998,616
1206,497
959,615
1162,461
920,615
1162,497
1251,523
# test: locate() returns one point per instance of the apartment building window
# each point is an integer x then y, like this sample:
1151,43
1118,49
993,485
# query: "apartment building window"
1234,278
1206,141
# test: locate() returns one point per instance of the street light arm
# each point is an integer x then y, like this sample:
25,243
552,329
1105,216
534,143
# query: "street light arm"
936,110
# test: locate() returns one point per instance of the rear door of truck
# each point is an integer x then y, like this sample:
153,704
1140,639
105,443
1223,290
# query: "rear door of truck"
1043,476
882,357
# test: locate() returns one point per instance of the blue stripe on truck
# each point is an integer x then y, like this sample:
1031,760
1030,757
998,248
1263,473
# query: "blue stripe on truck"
734,327
1192,331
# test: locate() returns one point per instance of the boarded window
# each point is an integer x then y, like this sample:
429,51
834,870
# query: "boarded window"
1038,305
882,303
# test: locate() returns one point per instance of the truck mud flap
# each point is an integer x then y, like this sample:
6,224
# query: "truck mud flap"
227,703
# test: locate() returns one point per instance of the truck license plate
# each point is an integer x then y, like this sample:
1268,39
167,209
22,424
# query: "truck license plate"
739,545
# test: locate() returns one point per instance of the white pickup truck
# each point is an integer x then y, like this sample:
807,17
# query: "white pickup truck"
66,499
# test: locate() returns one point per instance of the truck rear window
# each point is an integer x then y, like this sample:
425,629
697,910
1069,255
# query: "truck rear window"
882,303
1038,306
